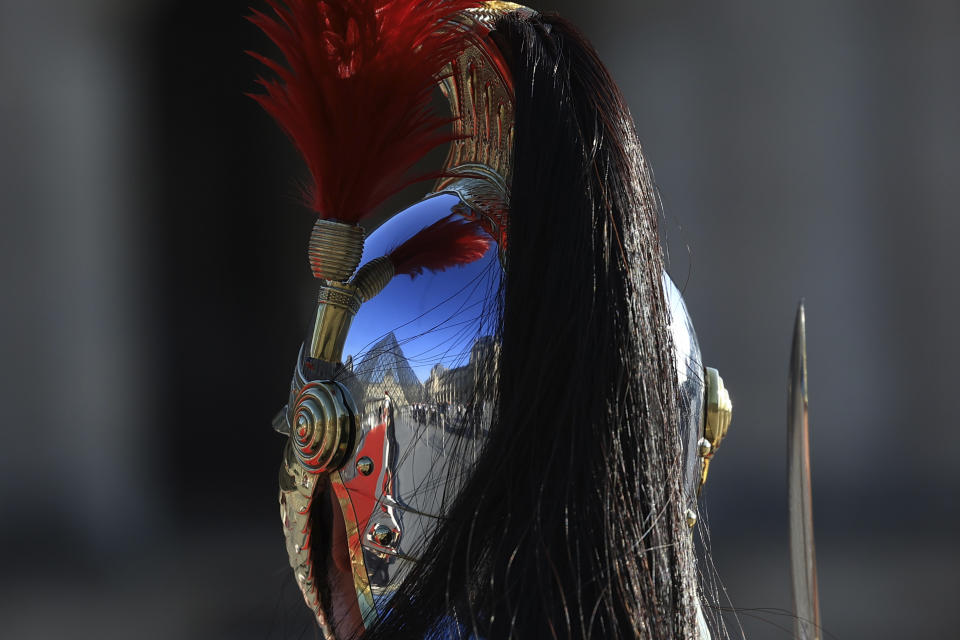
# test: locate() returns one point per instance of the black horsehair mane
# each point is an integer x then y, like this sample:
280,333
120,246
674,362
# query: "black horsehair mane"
570,525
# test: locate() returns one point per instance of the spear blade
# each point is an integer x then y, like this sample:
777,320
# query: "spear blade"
803,562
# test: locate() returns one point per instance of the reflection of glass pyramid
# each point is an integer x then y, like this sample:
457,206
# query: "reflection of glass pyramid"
386,356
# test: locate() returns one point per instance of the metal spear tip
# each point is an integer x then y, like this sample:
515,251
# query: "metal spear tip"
803,563
798,358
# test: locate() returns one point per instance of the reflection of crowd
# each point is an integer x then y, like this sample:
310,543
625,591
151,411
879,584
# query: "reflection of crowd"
449,416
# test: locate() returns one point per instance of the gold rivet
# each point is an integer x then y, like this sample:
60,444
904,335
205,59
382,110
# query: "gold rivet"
382,534
704,448
365,466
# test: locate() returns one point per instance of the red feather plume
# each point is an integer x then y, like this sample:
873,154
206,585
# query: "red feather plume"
451,241
354,96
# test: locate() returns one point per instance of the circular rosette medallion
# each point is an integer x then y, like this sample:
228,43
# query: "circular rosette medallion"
322,430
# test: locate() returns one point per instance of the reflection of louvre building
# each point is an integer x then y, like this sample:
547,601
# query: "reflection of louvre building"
384,368
461,385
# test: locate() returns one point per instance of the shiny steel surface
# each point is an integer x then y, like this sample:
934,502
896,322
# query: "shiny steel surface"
391,490
705,407
690,379
416,355
803,561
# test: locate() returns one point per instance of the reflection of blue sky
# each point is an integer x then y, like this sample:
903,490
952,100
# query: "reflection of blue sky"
436,317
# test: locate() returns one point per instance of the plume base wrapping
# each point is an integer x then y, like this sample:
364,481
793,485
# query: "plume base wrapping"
373,277
335,249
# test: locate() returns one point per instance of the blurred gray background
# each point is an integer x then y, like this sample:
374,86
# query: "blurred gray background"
155,292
